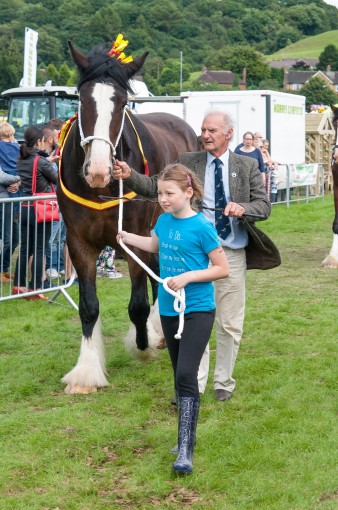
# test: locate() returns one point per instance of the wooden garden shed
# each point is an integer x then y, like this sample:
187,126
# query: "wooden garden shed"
320,140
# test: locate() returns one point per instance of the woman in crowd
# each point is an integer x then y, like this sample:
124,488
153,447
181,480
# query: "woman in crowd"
248,149
34,236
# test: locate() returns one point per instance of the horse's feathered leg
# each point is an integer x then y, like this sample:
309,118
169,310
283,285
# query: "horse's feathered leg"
89,372
331,261
143,337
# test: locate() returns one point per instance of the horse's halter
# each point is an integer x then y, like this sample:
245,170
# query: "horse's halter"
87,139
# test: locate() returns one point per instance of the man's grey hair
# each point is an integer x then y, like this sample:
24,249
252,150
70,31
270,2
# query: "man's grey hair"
226,117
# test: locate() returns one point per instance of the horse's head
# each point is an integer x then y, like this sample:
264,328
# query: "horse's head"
103,87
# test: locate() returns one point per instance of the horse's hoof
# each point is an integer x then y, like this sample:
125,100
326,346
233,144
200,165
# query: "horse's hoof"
162,344
80,390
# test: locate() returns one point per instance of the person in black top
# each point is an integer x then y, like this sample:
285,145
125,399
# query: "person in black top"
34,236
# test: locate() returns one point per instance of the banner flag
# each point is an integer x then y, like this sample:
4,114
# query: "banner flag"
30,58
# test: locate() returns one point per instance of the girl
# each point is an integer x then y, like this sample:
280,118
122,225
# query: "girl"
191,255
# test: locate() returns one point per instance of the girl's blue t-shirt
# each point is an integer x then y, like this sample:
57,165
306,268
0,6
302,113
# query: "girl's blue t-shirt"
184,244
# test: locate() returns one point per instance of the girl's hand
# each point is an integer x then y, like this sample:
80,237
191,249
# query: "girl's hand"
178,282
122,236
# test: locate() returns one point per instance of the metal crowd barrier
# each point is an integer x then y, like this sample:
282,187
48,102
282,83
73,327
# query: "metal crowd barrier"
11,213
306,184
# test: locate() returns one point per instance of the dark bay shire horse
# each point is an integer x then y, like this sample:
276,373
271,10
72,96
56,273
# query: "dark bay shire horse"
104,130
331,261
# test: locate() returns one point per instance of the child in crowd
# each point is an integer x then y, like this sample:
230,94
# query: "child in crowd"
9,213
105,265
191,256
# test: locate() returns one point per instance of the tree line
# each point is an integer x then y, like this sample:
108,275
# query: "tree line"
218,34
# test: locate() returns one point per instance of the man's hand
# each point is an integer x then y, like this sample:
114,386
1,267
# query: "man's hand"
335,155
121,170
233,209
53,157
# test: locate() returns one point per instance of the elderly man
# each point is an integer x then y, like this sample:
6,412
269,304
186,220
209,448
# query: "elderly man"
232,185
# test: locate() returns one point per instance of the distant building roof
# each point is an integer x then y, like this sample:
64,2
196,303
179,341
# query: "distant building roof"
225,78
221,77
302,77
294,62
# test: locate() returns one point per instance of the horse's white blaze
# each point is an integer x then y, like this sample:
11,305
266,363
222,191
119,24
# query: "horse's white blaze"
89,372
100,155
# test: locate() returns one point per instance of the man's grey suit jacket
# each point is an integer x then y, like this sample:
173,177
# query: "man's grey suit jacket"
246,189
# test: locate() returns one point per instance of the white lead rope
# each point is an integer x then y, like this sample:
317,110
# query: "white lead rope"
179,302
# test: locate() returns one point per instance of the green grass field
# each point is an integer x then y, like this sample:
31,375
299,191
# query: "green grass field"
272,447
310,47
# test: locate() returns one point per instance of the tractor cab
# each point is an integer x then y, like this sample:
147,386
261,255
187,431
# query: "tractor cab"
29,106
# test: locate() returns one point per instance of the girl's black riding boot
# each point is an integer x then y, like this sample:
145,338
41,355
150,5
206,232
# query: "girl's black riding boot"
187,423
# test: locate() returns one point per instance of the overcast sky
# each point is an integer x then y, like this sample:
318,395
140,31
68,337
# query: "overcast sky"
332,2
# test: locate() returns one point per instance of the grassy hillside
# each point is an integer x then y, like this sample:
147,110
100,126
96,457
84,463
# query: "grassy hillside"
310,47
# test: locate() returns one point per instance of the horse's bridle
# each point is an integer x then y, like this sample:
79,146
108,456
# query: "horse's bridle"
87,139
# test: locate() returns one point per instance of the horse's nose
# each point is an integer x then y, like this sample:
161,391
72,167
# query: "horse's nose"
85,169
97,176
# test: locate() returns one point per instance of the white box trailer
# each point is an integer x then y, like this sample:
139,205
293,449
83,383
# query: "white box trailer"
279,116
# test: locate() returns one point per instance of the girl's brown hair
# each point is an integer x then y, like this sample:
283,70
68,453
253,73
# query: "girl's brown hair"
184,178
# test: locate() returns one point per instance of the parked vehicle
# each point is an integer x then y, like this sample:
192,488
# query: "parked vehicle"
279,116
38,105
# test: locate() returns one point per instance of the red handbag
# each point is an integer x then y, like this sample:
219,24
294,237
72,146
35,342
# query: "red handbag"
46,209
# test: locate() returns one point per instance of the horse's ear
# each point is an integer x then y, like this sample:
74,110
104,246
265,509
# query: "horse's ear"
333,108
80,60
135,65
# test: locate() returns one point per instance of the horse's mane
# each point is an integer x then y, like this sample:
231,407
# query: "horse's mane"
104,68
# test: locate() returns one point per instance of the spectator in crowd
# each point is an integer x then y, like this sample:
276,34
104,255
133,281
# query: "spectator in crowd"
271,167
65,266
248,149
56,245
34,236
242,192
258,139
105,265
9,153
6,180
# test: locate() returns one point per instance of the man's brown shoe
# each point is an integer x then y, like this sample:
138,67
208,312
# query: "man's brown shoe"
223,395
